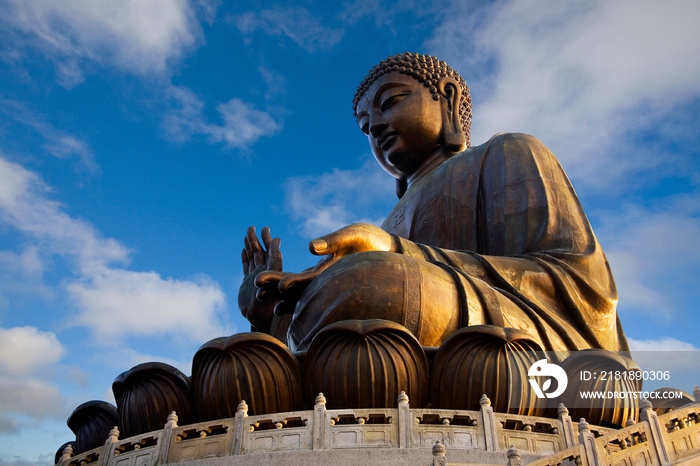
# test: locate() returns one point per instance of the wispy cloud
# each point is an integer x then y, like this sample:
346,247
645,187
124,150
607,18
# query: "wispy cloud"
242,124
329,201
581,76
111,300
144,38
298,24
57,143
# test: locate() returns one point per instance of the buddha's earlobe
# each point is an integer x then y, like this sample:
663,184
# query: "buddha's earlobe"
452,134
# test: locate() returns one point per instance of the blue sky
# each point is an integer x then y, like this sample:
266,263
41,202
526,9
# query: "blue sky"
139,140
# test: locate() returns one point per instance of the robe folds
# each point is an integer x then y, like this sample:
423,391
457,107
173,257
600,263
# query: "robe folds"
502,223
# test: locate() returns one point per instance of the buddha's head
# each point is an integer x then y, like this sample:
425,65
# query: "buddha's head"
411,106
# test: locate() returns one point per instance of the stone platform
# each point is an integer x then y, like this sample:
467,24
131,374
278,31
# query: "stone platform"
405,436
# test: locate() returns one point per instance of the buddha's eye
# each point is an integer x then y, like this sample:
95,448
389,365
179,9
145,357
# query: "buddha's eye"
391,101
365,128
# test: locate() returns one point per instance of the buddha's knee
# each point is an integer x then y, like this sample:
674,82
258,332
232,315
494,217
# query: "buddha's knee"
379,285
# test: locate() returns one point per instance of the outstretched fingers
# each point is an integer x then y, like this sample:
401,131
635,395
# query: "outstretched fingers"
252,242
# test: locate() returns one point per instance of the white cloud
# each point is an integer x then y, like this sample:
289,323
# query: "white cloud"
25,352
111,300
242,124
139,37
332,200
654,253
25,349
579,75
298,24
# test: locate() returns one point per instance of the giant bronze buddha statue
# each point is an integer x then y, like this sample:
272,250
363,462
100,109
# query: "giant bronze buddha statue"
488,235
486,263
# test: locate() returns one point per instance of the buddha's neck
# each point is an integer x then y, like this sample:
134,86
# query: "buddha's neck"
431,163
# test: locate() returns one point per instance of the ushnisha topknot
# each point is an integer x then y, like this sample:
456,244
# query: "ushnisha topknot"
426,69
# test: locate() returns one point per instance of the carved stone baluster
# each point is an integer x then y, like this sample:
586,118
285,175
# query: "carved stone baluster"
657,437
166,439
319,422
108,450
405,424
567,426
590,447
67,454
239,428
488,421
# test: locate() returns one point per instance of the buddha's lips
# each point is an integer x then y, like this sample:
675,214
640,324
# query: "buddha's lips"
386,140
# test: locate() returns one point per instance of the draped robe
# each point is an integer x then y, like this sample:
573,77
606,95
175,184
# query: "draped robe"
503,222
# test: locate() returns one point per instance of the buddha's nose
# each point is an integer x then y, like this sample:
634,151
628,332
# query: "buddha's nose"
377,127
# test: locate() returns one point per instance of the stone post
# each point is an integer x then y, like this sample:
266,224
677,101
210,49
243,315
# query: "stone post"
166,437
488,422
439,458
405,424
319,422
590,447
567,426
647,413
67,455
514,458
108,450
239,428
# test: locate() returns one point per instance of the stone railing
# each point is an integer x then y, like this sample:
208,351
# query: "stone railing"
658,440
672,438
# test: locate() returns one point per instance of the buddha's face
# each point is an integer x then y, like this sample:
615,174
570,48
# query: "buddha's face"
402,122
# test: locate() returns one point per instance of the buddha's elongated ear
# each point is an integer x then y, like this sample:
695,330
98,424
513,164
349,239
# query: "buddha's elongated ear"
452,134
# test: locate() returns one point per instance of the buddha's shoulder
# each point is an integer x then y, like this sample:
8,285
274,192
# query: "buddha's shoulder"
509,145
510,140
